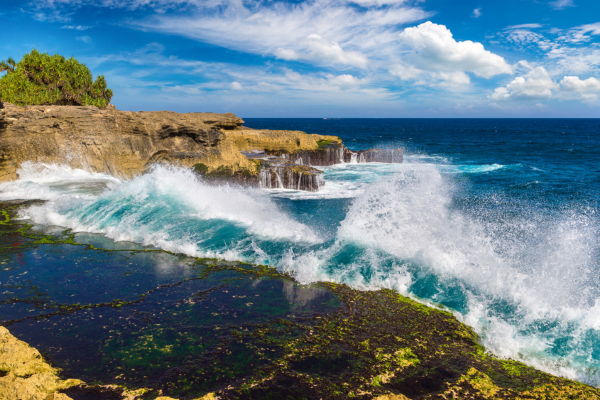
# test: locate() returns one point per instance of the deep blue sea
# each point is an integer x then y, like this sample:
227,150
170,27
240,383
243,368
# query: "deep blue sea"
496,219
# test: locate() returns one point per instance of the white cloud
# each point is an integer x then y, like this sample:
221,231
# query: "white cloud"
581,33
451,79
236,86
343,81
535,85
574,84
568,60
476,13
524,26
589,98
344,34
561,4
286,54
435,50
52,16
76,27
280,83
321,50
521,36
594,29
84,39
406,72
369,3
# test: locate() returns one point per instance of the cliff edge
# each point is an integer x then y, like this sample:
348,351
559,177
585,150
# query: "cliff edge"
125,143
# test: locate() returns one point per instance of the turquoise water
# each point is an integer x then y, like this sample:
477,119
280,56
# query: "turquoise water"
495,219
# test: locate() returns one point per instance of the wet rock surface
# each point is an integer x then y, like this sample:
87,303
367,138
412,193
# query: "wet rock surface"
162,324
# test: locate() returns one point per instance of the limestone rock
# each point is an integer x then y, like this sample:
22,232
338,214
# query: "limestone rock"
26,376
125,144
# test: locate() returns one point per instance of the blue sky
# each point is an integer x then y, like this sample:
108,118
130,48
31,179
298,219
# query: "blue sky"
359,58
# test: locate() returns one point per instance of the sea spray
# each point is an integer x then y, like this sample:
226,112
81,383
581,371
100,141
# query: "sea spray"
173,209
522,273
51,181
527,281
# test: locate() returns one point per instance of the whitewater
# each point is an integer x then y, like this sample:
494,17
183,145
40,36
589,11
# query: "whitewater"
513,261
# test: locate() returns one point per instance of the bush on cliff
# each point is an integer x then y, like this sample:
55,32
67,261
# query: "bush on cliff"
40,78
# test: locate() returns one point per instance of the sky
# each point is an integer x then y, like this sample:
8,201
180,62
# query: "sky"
317,58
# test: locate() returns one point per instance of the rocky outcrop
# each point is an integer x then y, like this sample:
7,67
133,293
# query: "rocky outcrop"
125,144
24,375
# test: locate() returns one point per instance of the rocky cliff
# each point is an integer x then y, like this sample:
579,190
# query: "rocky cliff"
125,144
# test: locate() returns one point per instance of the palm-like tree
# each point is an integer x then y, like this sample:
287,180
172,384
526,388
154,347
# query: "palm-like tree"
8,65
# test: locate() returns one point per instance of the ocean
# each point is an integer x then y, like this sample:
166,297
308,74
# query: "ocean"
496,220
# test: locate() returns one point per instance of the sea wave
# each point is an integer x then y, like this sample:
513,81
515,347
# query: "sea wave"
527,284
527,280
170,208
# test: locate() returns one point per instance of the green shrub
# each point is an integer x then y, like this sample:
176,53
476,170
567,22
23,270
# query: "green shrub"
40,78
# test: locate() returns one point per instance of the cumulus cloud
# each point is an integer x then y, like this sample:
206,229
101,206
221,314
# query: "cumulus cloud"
476,13
319,49
435,52
575,84
236,86
537,84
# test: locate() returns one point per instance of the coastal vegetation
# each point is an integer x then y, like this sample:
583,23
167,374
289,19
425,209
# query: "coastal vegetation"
43,79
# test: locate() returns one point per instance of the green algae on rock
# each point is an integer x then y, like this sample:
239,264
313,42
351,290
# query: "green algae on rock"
161,324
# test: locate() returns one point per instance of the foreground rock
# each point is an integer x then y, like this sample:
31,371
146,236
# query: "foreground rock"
125,144
24,374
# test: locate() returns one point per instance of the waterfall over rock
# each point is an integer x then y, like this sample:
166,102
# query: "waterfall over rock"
390,156
280,169
290,176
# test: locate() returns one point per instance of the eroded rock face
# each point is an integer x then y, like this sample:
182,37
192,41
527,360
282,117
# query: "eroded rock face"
125,144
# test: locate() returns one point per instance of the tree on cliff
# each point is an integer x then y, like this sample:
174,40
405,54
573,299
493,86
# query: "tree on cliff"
40,78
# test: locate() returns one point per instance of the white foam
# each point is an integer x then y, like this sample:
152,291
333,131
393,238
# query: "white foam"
540,266
50,181
147,209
